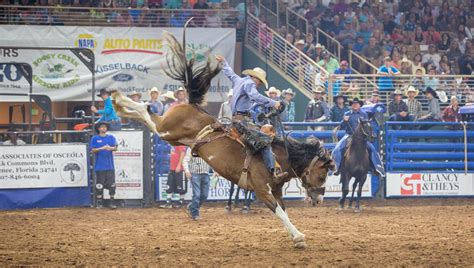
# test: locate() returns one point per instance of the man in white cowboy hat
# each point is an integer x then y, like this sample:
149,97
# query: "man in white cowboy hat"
317,109
398,109
273,93
135,96
168,99
226,111
180,96
156,105
289,114
414,106
245,96
349,124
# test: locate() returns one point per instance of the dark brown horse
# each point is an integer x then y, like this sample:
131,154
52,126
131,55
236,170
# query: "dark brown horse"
190,125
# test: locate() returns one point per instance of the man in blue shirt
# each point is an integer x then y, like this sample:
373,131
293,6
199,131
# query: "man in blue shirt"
385,82
349,124
244,98
108,114
102,145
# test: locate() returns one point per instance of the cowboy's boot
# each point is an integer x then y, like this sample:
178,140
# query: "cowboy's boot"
279,176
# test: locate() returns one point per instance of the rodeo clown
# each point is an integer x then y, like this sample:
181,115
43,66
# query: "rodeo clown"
102,145
349,124
245,96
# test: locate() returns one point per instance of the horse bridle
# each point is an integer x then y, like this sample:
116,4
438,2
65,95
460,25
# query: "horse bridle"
307,173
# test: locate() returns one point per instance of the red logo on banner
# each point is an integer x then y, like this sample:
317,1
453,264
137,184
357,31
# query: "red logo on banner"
411,185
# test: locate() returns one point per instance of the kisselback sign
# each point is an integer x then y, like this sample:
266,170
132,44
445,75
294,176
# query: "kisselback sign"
429,184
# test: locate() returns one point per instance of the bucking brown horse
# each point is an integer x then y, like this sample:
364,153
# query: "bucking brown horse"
190,125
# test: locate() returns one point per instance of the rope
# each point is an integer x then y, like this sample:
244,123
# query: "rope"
464,125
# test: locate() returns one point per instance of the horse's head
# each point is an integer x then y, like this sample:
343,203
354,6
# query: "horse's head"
364,130
315,175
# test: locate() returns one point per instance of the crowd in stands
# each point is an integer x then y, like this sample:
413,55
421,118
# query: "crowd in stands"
401,30
142,13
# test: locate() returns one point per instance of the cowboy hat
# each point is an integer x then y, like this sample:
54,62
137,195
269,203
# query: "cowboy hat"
442,96
356,100
318,89
431,91
154,89
133,93
340,95
299,42
405,59
169,95
412,89
258,73
180,89
375,93
318,45
101,123
289,91
273,90
397,92
103,91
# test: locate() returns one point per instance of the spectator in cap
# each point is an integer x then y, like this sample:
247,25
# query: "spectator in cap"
317,109
328,63
398,109
414,106
289,114
102,146
156,105
340,108
385,82
226,110
108,114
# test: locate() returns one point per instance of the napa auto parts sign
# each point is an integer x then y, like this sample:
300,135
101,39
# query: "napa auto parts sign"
430,184
126,58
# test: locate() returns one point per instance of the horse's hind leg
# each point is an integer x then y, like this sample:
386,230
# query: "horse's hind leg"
264,193
229,202
352,196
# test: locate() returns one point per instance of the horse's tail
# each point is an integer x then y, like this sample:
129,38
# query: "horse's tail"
334,134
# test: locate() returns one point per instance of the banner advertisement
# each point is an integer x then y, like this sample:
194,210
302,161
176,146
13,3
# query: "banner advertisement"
128,160
429,184
126,58
291,190
43,166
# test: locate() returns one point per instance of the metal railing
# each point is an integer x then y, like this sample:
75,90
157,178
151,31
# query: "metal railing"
139,17
296,21
271,16
357,62
292,62
363,85
329,42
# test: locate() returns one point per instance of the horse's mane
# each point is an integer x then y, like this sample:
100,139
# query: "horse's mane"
196,78
301,153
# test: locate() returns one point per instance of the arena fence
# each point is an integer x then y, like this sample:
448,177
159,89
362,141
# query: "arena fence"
140,17
434,162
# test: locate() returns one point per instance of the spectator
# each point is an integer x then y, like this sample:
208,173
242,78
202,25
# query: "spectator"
168,99
102,145
418,38
358,47
273,93
124,18
429,81
13,139
176,183
431,57
180,97
406,67
374,99
410,25
414,106
417,81
328,63
364,32
289,114
318,52
451,113
416,64
201,4
432,37
340,7
385,82
108,114
308,48
317,109
226,111
398,109
445,43
135,96
373,51
196,170
339,109
297,35
342,76
213,19
388,24
466,63
434,112
156,105
336,27
397,35
174,4
347,36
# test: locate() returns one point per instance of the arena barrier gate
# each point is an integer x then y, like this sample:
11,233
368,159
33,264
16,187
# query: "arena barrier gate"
437,162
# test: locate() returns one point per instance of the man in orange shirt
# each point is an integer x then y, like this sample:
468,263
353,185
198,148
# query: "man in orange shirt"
176,177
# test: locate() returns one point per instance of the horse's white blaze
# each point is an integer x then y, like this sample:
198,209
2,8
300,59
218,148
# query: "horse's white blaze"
269,189
210,157
281,214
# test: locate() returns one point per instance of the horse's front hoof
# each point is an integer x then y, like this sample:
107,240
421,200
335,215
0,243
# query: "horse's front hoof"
300,245
299,241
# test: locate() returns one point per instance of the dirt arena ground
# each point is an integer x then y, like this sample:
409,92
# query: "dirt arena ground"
422,232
